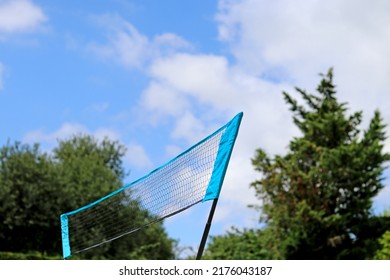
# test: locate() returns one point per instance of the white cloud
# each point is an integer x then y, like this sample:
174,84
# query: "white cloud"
20,16
207,83
127,46
188,127
296,40
66,131
161,99
206,77
172,41
213,90
172,151
276,45
292,42
99,107
17,16
137,157
102,133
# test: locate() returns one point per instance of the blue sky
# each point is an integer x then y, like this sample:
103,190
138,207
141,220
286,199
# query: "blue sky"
161,75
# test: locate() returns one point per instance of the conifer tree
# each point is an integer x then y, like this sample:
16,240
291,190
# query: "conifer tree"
317,199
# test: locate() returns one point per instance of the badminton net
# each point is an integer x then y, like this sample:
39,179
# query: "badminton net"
194,176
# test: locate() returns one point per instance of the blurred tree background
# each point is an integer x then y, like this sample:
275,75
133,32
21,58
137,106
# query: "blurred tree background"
316,201
36,187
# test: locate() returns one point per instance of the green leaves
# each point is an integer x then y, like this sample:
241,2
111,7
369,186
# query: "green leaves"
27,184
315,196
239,245
36,187
88,169
384,252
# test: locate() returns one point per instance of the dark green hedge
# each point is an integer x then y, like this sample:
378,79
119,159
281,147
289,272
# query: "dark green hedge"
27,256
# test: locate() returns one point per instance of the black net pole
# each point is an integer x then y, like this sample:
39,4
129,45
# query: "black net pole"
206,230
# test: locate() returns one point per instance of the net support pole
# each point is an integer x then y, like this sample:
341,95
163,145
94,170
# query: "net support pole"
206,230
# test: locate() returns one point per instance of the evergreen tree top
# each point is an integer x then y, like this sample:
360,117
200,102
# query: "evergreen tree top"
316,198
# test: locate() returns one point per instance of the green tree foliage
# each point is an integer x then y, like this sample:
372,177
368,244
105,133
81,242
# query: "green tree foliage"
384,252
316,199
28,200
87,167
237,245
36,187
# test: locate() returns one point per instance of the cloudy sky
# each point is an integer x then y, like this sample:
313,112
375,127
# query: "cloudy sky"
160,75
